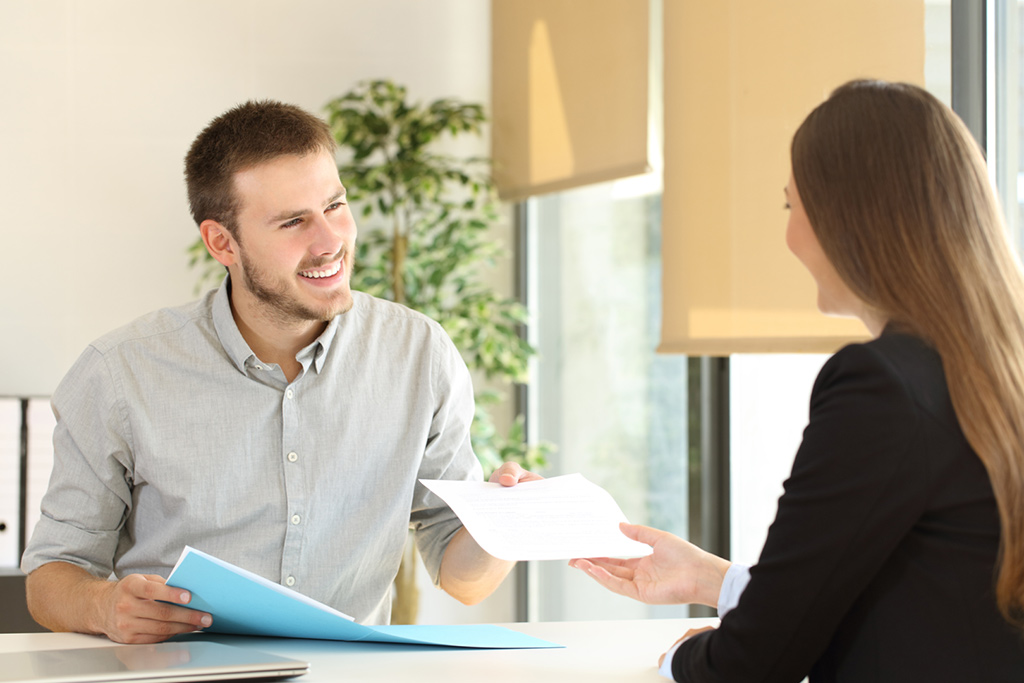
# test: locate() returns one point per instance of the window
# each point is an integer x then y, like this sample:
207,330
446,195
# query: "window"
615,409
1004,34
621,414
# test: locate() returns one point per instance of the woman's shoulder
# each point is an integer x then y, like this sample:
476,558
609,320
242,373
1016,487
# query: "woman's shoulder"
895,350
896,367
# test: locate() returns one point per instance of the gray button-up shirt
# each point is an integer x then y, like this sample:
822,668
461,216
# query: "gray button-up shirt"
171,432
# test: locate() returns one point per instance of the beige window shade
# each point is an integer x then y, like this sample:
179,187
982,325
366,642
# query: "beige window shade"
569,83
740,76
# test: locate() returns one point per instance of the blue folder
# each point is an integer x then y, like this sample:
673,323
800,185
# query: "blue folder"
243,603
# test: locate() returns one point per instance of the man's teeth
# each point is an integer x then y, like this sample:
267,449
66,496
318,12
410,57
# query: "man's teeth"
322,273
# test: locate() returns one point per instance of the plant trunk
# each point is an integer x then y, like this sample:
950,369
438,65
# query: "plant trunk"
401,244
406,606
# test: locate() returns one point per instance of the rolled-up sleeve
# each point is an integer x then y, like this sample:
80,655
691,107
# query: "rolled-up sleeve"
89,494
448,453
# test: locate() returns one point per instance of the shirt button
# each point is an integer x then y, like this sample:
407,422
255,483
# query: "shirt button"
288,393
290,581
292,457
296,519
259,367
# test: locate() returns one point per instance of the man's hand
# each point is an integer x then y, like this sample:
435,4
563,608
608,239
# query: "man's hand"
134,610
468,573
511,473
65,597
677,572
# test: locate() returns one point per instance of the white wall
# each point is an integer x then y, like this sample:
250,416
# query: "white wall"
99,101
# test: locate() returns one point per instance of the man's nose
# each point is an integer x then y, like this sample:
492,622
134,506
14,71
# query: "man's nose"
327,238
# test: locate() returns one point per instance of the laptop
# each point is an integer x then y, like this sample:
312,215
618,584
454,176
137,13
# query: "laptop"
172,662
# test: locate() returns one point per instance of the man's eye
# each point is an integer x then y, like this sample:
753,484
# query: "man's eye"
292,223
335,205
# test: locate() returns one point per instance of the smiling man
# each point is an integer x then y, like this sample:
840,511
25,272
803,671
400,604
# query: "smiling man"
280,423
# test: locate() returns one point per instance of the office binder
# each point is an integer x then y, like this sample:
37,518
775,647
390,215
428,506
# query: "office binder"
10,481
40,422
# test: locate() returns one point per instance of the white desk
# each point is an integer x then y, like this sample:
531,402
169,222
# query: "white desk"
594,651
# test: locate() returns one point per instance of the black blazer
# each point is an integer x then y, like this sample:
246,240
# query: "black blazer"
881,561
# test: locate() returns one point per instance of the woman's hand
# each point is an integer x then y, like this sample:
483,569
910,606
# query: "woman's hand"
677,572
691,632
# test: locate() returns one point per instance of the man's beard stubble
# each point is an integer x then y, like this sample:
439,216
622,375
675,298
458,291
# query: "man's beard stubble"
281,306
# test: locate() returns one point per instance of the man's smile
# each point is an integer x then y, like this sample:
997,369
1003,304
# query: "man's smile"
323,271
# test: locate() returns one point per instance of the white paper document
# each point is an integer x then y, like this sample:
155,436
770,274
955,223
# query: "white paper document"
552,519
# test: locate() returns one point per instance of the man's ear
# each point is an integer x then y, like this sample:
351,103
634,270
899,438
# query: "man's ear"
219,242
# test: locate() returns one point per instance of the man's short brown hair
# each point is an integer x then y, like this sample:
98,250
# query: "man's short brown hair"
240,138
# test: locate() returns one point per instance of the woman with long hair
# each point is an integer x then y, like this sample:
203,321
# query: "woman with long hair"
897,553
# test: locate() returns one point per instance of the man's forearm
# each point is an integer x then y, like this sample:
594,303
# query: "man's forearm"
64,597
468,573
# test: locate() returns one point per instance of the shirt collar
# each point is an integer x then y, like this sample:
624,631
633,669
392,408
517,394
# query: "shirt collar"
321,346
237,348
224,322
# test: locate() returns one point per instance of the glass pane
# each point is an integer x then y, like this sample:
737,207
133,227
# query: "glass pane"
615,409
769,397
938,48
1006,146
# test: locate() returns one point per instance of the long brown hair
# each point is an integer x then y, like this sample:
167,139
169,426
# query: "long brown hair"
898,195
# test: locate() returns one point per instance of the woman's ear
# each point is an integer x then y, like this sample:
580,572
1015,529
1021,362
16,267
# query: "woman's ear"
219,242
